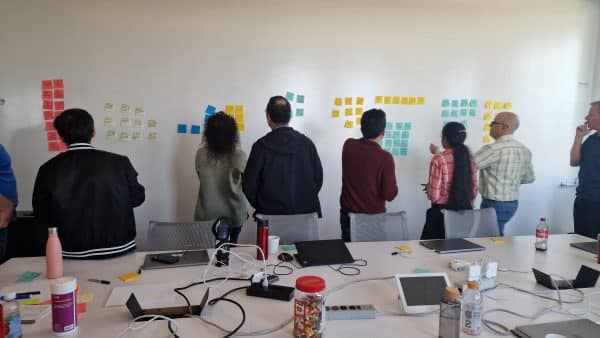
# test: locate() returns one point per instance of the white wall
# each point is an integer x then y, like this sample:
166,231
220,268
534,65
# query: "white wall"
174,58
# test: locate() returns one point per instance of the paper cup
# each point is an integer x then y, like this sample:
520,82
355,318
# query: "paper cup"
273,244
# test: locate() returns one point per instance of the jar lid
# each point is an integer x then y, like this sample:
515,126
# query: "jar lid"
451,293
310,284
473,284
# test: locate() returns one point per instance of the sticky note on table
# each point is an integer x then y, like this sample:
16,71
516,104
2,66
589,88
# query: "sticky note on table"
378,99
128,277
360,101
289,96
337,101
335,113
29,301
421,270
28,276
288,247
348,101
85,297
300,98
498,240
348,124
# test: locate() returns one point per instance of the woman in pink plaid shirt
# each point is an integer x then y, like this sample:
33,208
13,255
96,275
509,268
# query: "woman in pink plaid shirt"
452,180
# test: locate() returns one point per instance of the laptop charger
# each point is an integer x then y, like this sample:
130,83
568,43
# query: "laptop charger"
278,292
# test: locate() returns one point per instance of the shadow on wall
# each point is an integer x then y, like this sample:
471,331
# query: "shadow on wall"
185,179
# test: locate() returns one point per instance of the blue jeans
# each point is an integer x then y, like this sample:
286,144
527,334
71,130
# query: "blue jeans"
505,210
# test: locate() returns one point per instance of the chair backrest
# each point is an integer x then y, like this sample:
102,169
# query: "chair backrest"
180,235
293,228
471,223
391,226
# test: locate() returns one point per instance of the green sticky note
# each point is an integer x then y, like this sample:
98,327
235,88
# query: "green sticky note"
464,103
397,143
289,96
421,270
454,103
299,111
28,276
454,113
397,135
388,143
403,151
407,126
445,103
300,98
472,112
404,134
396,151
399,125
463,112
389,126
445,113
473,103
288,247
404,143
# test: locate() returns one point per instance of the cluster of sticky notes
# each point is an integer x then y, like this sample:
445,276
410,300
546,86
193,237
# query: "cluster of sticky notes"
352,107
53,104
182,128
290,96
396,138
237,112
404,100
129,118
453,108
488,115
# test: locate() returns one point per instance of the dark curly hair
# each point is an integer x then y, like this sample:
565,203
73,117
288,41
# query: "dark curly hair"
220,135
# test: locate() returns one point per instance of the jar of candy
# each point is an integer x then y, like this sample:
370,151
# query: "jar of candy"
309,307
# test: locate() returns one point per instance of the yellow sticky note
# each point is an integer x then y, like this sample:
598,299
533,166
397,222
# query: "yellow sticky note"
358,111
507,105
85,298
229,109
404,100
239,109
136,135
404,249
139,111
421,100
153,136
396,100
241,126
498,240
348,124
387,100
498,105
487,139
487,116
335,113
111,134
125,122
358,121
412,100
378,99
124,137
152,123
29,301
138,123
488,104
337,101
128,277
348,101
239,116
348,111
360,101
125,108
486,127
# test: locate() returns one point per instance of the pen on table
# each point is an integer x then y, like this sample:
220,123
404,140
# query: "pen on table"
101,281
395,253
19,296
28,293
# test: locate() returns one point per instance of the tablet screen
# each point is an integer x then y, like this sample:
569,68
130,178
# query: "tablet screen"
426,290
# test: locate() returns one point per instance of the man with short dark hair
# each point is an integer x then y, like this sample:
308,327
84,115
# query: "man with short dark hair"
88,194
283,174
368,172
586,155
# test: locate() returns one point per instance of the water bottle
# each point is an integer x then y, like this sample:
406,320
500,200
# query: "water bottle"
11,316
472,309
450,314
54,263
541,235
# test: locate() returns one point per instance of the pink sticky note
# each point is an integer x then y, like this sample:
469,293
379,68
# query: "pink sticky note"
47,104
59,105
59,93
52,136
58,83
62,146
48,115
47,84
49,126
47,94
52,146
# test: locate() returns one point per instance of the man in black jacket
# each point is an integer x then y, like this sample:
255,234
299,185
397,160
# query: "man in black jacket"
283,175
88,194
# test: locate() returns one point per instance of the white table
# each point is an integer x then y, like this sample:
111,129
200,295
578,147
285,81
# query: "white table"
517,253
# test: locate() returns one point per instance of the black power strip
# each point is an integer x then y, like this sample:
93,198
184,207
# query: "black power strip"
278,292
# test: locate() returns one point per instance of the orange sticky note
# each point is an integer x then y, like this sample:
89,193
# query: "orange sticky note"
378,99
348,101
335,113
360,101
128,277
81,308
348,124
348,111
337,101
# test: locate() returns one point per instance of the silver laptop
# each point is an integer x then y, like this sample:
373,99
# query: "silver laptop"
186,258
578,328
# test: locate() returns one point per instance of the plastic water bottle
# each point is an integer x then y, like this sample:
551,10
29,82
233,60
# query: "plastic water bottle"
54,262
472,309
11,316
541,235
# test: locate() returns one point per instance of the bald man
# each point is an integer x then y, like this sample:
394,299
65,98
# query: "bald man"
504,165
586,156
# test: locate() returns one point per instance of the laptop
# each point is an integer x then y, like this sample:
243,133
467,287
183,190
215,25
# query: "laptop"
586,246
324,252
577,328
586,278
186,258
451,245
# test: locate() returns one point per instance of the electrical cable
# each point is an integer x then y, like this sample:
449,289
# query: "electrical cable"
350,269
131,326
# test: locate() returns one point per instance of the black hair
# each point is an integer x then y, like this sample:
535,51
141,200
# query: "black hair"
75,125
220,135
372,123
460,196
279,109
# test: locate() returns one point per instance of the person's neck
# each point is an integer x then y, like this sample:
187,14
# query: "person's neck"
277,126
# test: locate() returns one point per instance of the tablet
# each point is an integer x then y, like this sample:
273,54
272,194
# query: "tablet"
421,292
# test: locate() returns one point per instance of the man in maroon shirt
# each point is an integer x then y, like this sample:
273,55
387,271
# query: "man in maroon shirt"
368,172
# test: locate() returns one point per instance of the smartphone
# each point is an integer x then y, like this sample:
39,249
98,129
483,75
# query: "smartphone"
165,258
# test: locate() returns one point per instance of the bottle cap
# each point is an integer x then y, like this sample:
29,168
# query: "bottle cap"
52,231
473,284
451,293
310,284
10,296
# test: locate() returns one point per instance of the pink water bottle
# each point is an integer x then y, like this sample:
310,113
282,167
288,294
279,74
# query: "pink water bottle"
54,262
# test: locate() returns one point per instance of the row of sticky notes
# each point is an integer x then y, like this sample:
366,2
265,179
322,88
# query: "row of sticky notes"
124,109
53,84
127,136
347,112
126,122
459,112
182,129
290,97
349,101
489,104
406,100
459,103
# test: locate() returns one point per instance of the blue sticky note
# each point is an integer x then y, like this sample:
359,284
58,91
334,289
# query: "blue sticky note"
407,126
289,96
472,112
399,125
388,143
445,113
181,128
464,103
445,103
454,113
404,134
473,103
403,151
396,151
389,126
206,116
396,143
404,143
454,103
396,135
421,270
463,112
299,111
210,109
300,98
195,129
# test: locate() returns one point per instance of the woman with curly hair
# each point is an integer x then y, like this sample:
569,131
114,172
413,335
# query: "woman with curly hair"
220,164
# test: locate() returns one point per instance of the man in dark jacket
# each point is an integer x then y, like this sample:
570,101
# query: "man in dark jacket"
88,194
283,175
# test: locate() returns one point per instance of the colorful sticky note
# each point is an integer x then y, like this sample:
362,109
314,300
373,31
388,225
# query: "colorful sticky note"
241,126
299,111
229,109
445,103
108,122
396,135
124,136
403,151
46,84
498,240
463,112
48,115
454,113
335,113
399,125
488,104
52,136
472,112
136,135
388,142
358,119
348,101
387,100
445,113
464,103
396,151
109,108
85,297
348,111
47,104
389,126
153,136
358,111
62,146
300,98
49,125
125,108
396,100
404,100
421,270
138,123
59,93
396,143
182,128
487,116
508,105
498,105
152,123
486,127
29,301
210,109
128,277
47,94
195,129
239,109
289,96
404,143
125,122
111,134
337,101
487,139
408,126
139,111
360,101
421,100
348,124
28,276
59,105
473,103
405,134
58,83
412,100
52,146
378,99
81,308
288,247
455,103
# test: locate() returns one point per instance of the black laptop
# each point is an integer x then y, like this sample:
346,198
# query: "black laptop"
586,246
451,245
586,278
325,252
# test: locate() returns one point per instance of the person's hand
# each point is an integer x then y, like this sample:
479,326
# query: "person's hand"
433,148
6,209
582,130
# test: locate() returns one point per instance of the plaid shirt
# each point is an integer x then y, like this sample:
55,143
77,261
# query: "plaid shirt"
441,169
504,165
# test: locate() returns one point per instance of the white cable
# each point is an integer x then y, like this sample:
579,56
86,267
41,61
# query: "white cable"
222,248
131,326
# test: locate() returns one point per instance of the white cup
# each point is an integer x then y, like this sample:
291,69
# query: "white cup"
273,244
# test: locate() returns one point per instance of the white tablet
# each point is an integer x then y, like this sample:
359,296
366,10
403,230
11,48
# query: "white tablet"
421,292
